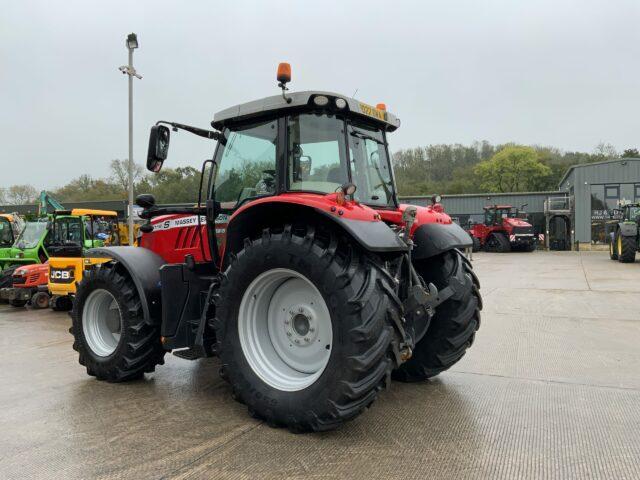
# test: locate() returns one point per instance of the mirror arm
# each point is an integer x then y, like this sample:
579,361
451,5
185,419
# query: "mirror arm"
195,130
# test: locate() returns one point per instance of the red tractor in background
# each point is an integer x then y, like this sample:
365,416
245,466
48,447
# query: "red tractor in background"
302,272
504,229
29,286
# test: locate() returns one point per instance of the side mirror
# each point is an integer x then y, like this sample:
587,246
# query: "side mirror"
145,200
304,166
158,147
436,199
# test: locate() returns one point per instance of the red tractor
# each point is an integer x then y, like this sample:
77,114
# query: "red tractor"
504,229
29,286
301,271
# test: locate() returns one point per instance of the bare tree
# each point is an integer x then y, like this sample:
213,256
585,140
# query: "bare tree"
3,196
605,150
120,173
21,195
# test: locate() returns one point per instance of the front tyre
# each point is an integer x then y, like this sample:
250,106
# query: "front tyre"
110,334
454,325
613,251
626,246
301,324
39,300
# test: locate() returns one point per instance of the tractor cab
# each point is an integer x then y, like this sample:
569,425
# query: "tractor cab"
29,246
495,215
631,213
499,214
10,227
323,147
73,231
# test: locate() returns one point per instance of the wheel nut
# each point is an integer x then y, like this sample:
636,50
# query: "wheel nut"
286,322
297,341
312,329
306,339
288,334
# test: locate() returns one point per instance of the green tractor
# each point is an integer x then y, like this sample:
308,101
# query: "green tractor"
625,240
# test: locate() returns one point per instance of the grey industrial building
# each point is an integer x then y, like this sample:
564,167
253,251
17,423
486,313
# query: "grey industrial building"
596,189
579,214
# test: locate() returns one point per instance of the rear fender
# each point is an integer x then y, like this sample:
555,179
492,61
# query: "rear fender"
143,266
360,222
435,238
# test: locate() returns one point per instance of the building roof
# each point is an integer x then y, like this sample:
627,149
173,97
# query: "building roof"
581,165
264,106
483,194
498,207
87,211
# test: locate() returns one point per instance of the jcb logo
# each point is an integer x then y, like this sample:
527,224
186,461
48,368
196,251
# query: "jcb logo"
61,276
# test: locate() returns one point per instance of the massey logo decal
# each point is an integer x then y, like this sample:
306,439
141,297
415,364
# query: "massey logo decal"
180,222
187,222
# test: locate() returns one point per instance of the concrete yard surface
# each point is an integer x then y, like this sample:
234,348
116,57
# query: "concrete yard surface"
550,389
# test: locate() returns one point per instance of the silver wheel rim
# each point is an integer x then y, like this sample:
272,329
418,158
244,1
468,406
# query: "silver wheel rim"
101,322
285,329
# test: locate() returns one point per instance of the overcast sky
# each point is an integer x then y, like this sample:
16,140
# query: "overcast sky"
561,73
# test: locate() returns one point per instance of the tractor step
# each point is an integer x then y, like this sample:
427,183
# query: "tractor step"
188,353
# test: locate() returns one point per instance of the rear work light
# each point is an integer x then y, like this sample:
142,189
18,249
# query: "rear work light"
321,100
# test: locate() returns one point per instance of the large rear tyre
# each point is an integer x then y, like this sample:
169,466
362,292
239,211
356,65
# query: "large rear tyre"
497,243
110,334
453,327
613,251
626,248
302,330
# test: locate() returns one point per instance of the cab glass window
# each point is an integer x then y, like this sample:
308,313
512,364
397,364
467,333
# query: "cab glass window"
67,229
370,168
316,153
246,164
6,233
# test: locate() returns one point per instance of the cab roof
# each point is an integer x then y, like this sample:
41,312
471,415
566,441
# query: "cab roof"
87,211
275,104
497,207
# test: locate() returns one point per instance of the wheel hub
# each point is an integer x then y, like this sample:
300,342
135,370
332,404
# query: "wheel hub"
300,326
